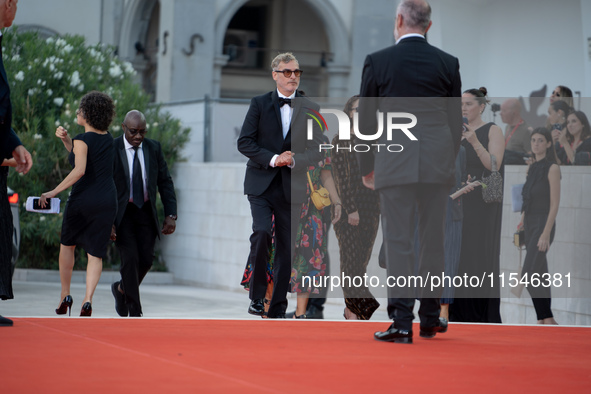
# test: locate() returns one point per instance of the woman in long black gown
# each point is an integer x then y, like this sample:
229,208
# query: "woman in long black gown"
92,205
356,232
541,197
481,231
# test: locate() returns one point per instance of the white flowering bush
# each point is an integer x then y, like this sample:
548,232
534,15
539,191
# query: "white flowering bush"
47,79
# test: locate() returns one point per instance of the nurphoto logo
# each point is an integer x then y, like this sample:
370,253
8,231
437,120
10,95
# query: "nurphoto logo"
345,129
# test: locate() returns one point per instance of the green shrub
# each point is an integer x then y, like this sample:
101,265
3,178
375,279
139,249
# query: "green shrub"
47,79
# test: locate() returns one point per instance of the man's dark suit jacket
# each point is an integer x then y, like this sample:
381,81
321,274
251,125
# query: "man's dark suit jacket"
261,138
158,177
8,138
414,70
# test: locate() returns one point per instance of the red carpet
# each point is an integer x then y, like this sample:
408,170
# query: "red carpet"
75,355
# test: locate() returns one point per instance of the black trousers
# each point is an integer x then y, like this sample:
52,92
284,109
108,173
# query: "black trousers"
398,223
6,230
136,236
263,207
537,263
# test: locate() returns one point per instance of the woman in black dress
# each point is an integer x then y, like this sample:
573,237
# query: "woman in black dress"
541,197
481,230
92,205
356,232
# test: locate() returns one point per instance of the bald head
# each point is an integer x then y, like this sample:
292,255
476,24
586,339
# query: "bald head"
134,126
135,115
511,111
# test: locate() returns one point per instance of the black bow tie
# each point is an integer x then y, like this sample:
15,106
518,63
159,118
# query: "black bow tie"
284,101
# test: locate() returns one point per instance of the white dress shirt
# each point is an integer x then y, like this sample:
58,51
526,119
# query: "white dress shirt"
409,35
286,112
130,153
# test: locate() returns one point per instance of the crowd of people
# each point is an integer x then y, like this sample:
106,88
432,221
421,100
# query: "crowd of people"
434,217
361,188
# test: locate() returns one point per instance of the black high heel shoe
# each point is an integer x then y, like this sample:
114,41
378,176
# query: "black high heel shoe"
86,309
65,306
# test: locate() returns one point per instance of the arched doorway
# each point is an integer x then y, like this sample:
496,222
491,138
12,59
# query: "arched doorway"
139,42
250,33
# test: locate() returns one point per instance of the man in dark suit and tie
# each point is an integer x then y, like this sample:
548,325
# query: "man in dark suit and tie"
10,147
273,137
139,170
422,174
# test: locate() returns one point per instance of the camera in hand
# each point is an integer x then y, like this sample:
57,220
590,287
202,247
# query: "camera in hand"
37,206
464,121
557,126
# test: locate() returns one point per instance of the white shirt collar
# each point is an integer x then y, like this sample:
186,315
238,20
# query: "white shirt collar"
128,145
284,96
410,35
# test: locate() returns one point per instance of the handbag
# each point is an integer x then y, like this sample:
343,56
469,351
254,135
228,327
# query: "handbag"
319,197
519,241
519,238
493,189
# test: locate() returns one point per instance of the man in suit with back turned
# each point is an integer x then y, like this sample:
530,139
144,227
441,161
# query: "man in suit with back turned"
422,174
10,147
139,170
273,137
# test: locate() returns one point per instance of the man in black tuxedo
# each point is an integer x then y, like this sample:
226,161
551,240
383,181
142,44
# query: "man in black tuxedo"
274,139
10,147
422,174
139,170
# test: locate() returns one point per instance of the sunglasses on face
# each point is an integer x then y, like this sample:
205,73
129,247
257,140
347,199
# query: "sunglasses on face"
135,131
287,73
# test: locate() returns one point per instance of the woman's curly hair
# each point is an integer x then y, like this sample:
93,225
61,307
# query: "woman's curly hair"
98,110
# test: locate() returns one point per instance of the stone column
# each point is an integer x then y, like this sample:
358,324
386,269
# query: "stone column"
338,78
372,30
186,50
586,23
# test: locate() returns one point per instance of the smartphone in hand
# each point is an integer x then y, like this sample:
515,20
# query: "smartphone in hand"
464,121
37,206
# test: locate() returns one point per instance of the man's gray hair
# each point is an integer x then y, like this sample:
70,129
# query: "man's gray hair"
417,14
283,58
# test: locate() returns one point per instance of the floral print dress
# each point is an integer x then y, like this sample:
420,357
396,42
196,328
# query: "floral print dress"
311,245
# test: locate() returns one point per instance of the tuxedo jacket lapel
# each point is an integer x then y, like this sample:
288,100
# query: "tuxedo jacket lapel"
275,104
297,106
2,70
123,157
146,152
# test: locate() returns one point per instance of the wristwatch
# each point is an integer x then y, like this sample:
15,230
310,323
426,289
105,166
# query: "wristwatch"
173,217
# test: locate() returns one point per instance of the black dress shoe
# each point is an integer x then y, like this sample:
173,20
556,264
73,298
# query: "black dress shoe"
314,313
311,313
120,306
5,322
429,332
393,334
256,307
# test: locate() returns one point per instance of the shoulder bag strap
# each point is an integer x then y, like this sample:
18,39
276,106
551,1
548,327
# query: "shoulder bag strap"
310,180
